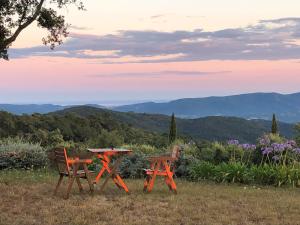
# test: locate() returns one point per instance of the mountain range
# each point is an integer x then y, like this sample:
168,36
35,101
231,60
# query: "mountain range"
247,106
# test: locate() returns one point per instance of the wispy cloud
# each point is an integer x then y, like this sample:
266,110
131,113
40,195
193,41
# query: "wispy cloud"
74,27
267,40
157,16
158,74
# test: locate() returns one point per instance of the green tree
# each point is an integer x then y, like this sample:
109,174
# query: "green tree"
16,15
173,130
274,125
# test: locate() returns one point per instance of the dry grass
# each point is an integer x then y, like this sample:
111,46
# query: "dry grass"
30,200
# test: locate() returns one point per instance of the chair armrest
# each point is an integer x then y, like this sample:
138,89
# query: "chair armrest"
80,161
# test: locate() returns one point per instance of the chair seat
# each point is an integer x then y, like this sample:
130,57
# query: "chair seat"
159,173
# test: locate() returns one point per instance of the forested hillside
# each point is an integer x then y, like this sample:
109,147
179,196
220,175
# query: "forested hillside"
209,128
100,129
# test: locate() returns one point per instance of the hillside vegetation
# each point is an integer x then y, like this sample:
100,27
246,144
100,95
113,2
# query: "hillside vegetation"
209,128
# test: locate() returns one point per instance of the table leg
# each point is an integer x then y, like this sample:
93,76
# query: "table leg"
113,175
105,161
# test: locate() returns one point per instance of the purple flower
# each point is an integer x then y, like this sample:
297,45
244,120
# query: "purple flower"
288,146
267,150
233,142
265,140
276,158
248,147
292,143
278,147
296,150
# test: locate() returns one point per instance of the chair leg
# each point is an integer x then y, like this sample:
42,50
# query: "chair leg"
173,185
71,181
79,184
87,174
146,183
153,177
58,183
168,183
170,177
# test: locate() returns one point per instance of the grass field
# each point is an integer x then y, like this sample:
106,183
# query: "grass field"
27,198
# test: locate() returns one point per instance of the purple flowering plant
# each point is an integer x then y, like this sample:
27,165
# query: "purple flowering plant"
278,150
243,150
274,149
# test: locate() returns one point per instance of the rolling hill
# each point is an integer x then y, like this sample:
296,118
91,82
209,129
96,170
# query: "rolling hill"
208,128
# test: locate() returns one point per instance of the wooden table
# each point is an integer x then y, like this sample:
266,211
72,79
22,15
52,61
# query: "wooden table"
105,155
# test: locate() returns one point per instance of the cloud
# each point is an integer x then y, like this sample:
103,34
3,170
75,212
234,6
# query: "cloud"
157,16
158,74
267,40
74,27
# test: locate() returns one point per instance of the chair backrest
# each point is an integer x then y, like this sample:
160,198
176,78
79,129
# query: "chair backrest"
61,160
175,152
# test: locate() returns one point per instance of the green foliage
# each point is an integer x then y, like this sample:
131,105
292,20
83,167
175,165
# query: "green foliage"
132,166
15,16
108,139
144,149
274,129
241,173
20,154
98,129
173,130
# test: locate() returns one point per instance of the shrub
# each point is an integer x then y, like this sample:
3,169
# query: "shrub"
18,153
202,171
132,166
145,149
240,173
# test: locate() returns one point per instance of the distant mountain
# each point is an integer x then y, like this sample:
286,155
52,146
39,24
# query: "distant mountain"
36,108
30,109
209,128
249,106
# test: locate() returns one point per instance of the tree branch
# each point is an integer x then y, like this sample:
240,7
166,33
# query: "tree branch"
8,41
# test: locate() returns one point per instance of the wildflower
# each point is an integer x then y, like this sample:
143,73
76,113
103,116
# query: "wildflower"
265,140
279,147
233,142
248,147
267,150
276,158
292,143
297,150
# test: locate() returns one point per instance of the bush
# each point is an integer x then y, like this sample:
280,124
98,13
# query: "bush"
132,166
145,149
240,173
19,154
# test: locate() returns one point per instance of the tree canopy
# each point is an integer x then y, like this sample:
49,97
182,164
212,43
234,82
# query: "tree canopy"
16,15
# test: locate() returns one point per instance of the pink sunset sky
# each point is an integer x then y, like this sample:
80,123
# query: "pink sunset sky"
122,52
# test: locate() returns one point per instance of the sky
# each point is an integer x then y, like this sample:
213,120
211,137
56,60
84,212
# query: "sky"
122,51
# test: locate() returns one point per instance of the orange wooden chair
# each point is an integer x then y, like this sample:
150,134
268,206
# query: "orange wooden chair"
71,168
162,166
